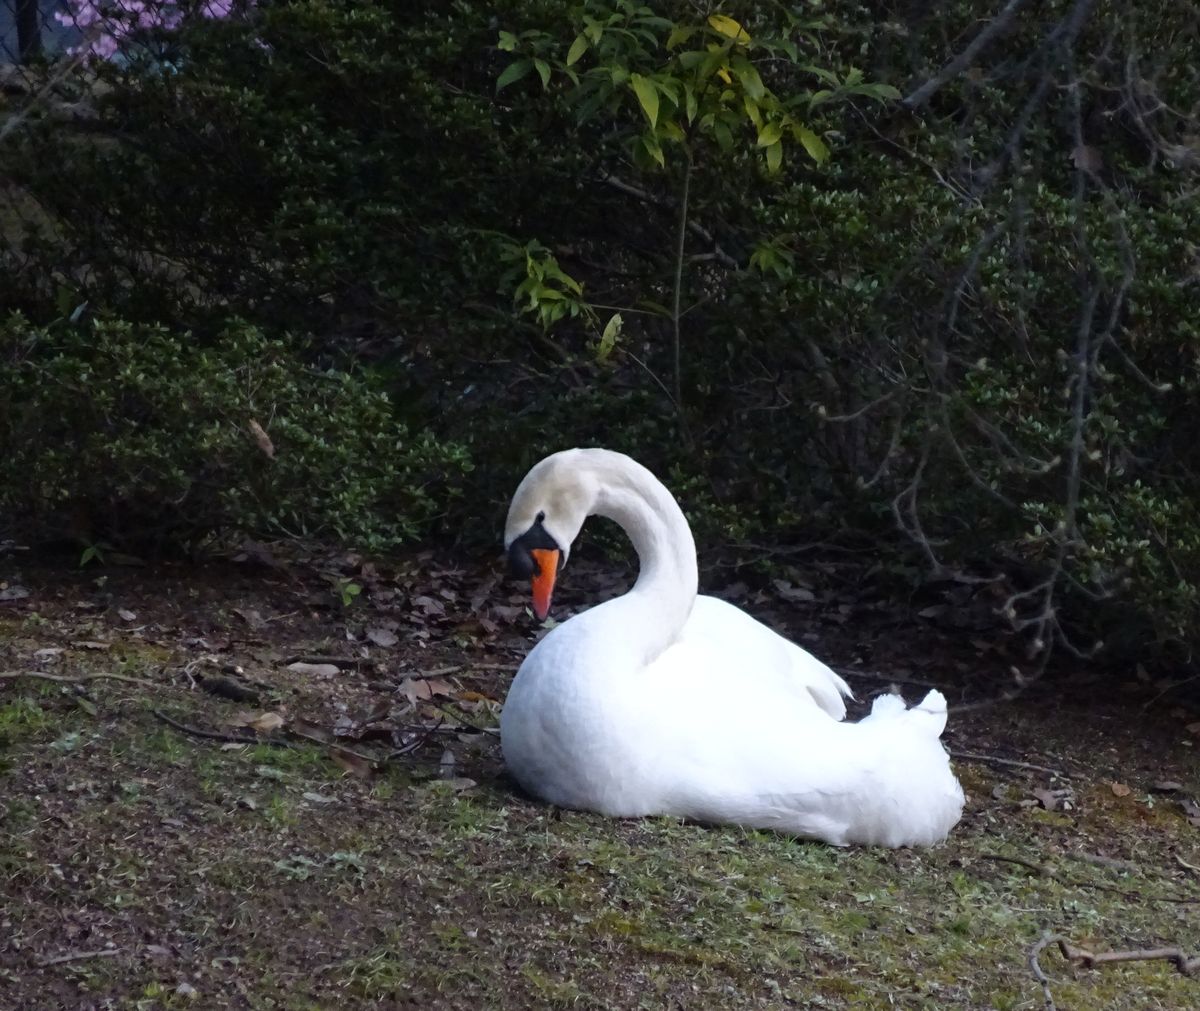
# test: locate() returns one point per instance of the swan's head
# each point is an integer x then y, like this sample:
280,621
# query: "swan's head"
544,518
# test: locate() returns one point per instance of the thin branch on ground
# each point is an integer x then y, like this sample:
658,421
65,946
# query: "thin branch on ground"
1089,960
217,735
315,658
78,956
1046,871
972,756
275,741
1035,967
78,679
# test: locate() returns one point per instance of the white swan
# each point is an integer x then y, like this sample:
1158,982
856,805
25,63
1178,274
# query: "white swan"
664,702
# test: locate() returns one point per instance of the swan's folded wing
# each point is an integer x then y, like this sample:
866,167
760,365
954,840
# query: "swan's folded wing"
757,660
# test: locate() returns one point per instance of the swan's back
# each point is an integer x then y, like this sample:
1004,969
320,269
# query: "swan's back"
758,660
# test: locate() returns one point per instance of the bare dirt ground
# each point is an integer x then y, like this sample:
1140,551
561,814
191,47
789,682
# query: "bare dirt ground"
270,784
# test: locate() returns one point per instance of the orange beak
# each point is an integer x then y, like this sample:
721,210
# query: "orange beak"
543,580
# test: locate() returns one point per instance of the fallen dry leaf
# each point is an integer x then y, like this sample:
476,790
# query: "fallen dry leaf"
262,723
792,593
250,617
127,615
351,762
1193,728
1166,786
382,637
319,670
473,697
420,689
1120,789
94,644
429,605
1047,798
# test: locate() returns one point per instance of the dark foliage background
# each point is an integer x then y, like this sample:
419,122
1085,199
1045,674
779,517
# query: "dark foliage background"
967,341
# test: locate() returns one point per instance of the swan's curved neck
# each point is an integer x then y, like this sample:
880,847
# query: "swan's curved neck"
662,597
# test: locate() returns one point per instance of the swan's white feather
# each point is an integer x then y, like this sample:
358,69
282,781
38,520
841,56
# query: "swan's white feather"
653,704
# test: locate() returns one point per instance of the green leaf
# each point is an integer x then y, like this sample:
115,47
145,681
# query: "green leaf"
508,42
650,143
774,157
813,144
543,69
608,339
647,95
679,34
770,134
512,73
751,108
690,103
724,137
748,75
729,28
578,48
819,97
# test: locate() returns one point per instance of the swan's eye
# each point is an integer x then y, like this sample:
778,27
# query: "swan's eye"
540,517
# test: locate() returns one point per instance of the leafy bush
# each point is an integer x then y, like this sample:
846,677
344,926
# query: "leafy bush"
965,336
131,434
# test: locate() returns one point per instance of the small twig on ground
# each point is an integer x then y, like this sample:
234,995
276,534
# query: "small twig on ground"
336,661
461,718
1042,870
1090,959
416,743
1045,871
1044,942
79,679
279,742
217,735
435,672
78,956
1113,863
971,756
1184,864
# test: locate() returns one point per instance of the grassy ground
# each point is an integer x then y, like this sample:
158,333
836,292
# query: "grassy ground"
142,867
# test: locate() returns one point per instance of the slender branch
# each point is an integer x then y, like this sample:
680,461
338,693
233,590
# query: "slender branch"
78,956
79,679
1042,944
972,756
680,243
917,98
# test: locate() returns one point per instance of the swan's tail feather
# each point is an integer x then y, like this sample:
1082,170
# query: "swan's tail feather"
929,714
933,709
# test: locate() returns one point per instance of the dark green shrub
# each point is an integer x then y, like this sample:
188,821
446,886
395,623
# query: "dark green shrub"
135,435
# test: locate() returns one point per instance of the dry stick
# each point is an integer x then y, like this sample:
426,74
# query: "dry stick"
336,661
964,59
80,679
1045,871
1046,940
1090,960
77,956
279,742
461,718
1040,869
216,735
971,756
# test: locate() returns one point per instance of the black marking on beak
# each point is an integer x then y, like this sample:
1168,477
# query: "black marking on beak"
521,562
